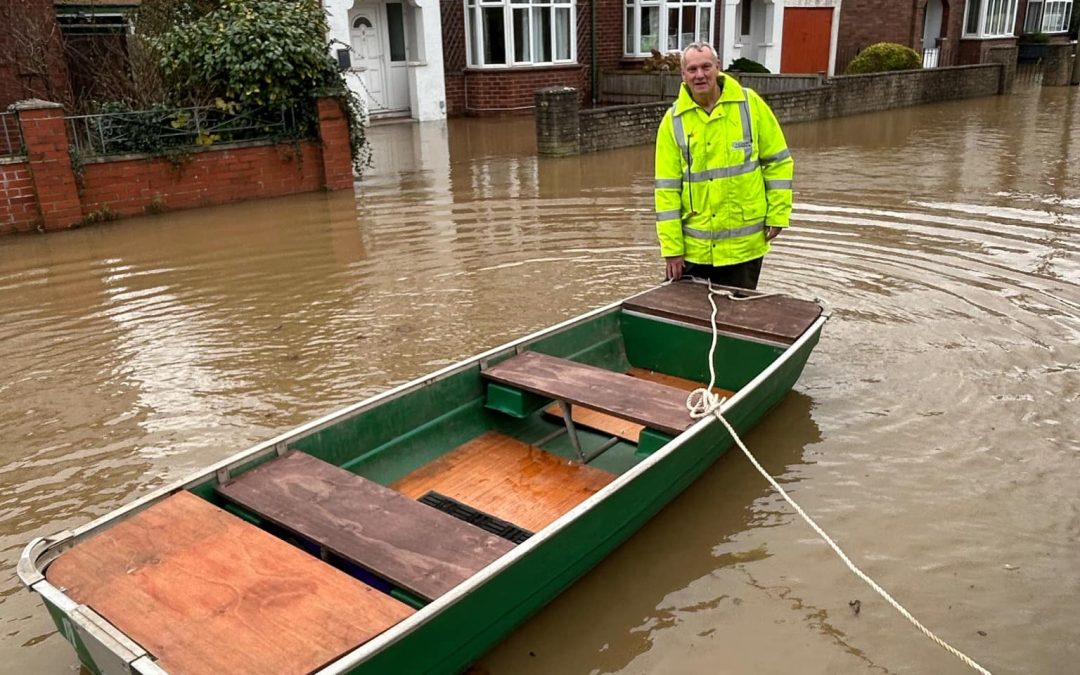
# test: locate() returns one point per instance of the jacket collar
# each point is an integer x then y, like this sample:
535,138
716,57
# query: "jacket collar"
730,91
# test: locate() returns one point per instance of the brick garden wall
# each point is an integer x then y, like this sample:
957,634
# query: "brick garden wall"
42,191
562,130
18,202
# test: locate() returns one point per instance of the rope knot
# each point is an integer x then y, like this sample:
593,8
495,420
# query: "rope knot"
701,403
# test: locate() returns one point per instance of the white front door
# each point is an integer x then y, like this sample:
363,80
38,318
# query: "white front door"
368,57
380,42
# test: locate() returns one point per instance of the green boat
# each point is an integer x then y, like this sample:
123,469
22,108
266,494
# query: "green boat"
411,532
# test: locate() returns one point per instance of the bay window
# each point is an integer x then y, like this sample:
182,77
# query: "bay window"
990,18
666,25
520,32
1049,16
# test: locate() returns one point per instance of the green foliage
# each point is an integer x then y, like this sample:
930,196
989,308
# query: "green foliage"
742,65
883,57
259,52
1035,38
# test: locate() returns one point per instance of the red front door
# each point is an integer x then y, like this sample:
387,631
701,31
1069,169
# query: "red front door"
807,32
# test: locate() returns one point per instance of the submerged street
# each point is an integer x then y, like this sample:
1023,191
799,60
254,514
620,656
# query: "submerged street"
934,433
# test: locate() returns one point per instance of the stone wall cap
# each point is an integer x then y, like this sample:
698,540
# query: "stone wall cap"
558,89
34,104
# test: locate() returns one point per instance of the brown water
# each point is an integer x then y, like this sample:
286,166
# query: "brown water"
934,433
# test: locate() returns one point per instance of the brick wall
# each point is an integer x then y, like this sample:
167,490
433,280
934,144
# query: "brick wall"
18,203
866,22
137,185
42,191
29,28
492,91
606,128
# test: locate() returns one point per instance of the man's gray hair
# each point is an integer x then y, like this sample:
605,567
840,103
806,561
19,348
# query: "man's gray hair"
697,46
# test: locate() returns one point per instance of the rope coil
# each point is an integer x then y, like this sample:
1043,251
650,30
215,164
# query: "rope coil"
702,402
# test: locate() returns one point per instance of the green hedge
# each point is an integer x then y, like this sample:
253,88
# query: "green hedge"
883,57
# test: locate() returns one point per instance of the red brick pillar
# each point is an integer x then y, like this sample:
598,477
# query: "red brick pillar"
46,141
336,155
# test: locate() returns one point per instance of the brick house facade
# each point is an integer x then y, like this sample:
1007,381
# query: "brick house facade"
31,53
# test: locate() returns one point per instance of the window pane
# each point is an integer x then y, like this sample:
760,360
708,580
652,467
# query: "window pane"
494,36
704,33
522,49
396,20
562,34
686,34
629,46
973,8
474,42
650,29
672,42
541,34
747,12
1033,20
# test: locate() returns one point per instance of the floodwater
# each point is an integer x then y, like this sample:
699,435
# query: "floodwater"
934,433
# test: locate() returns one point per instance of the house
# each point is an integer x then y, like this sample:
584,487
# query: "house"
810,36
31,53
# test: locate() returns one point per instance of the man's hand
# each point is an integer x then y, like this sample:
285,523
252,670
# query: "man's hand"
674,267
771,232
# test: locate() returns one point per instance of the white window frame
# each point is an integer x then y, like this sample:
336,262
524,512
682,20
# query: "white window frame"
531,9
633,45
1051,10
995,19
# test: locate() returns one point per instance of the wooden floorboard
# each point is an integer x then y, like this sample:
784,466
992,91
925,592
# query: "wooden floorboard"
416,547
672,381
205,592
508,479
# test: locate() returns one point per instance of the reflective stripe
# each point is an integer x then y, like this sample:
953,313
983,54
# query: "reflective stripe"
725,234
669,183
783,154
677,129
747,133
726,172
778,184
673,214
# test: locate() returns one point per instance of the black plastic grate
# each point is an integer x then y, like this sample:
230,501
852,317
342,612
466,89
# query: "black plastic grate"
484,521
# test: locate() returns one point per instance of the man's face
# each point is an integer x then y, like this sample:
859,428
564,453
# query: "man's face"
699,72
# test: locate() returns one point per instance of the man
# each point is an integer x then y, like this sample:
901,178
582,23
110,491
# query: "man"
723,176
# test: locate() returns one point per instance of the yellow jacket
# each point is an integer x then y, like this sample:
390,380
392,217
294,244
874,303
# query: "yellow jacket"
721,179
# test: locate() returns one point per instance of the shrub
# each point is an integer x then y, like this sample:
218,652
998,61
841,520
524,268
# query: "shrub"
883,57
657,61
742,65
1035,38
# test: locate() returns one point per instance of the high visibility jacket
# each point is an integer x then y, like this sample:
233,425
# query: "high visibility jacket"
721,179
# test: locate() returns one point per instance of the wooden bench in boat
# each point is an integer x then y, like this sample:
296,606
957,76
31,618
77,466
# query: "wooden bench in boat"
778,318
509,479
205,592
624,429
414,546
651,404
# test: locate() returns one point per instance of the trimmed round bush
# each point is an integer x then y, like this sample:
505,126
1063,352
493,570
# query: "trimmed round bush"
883,57
742,65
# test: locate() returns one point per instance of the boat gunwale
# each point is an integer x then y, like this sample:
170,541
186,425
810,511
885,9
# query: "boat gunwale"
41,551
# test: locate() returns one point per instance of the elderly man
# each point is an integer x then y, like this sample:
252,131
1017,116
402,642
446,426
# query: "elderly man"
723,176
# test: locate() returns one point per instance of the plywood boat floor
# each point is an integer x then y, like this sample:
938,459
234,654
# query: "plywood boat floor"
628,431
206,592
777,318
654,405
511,480
414,546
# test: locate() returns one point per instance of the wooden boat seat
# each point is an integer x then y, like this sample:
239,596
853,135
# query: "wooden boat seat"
414,546
205,592
508,479
654,405
628,431
778,318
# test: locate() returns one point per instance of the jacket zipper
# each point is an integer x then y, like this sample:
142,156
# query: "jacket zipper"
689,172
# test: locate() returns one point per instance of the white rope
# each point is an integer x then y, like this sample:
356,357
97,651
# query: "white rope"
703,402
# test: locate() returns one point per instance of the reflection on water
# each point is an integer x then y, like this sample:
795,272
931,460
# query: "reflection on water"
933,434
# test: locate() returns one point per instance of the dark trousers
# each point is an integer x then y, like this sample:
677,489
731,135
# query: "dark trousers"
741,275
